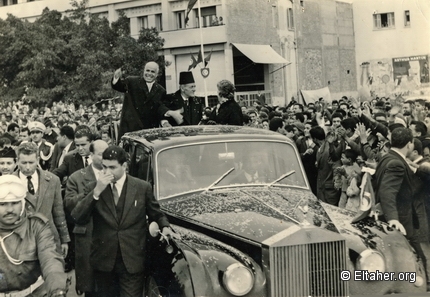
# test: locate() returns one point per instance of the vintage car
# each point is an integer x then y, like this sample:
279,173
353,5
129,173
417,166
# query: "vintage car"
249,224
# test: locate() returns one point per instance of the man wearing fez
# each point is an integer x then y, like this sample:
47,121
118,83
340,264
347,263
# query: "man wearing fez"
7,161
142,107
184,107
28,249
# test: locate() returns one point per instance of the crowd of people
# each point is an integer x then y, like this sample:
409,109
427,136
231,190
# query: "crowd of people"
58,162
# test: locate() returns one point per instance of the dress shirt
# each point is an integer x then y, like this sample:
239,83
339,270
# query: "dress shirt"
150,85
120,184
34,180
90,160
64,153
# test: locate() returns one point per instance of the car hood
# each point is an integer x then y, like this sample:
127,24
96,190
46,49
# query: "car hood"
254,213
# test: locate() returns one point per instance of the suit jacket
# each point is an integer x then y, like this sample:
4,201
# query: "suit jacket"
142,109
56,155
327,158
393,184
48,201
127,234
79,184
192,113
72,162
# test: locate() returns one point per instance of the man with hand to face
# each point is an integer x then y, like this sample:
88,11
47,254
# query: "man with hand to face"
27,247
118,206
142,107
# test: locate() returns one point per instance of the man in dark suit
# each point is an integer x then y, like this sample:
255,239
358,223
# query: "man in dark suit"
183,103
79,185
64,145
78,158
393,184
118,206
142,107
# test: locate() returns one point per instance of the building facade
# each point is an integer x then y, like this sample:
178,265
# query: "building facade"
277,47
393,45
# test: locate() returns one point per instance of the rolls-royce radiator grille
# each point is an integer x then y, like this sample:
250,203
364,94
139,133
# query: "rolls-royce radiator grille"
308,270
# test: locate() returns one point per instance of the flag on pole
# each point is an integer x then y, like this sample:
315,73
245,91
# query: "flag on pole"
193,63
208,58
200,57
190,6
367,197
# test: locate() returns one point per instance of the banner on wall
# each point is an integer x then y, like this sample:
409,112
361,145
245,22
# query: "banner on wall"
312,96
413,68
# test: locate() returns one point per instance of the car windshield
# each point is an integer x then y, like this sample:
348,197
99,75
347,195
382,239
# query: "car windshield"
222,164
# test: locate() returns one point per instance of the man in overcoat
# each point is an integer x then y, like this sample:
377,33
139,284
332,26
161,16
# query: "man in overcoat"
142,107
78,186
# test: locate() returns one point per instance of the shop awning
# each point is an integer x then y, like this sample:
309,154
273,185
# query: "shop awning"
261,53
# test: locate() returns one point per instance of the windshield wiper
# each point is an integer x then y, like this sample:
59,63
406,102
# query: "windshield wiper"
282,177
219,179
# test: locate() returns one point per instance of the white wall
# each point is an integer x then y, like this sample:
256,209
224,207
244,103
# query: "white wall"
402,41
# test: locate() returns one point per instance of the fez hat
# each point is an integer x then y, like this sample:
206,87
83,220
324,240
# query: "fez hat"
186,77
8,152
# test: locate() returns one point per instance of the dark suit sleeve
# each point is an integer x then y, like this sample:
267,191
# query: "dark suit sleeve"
58,214
72,195
63,169
153,208
120,85
390,184
84,209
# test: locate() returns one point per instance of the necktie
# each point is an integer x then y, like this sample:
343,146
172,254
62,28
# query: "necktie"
186,102
86,161
30,186
115,193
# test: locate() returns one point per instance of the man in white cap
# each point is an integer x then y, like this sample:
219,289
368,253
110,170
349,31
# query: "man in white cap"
45,148
27,249
183,103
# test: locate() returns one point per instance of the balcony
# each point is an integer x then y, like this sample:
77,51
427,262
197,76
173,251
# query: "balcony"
191,36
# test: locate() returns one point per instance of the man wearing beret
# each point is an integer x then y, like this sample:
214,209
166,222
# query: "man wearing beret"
184,107
7,161
45,148
28,249
119,205
142,107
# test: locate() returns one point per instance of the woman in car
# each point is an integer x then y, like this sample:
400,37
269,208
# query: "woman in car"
228,111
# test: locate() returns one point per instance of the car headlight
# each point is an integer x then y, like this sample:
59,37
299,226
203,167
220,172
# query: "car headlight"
238,279
371,261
